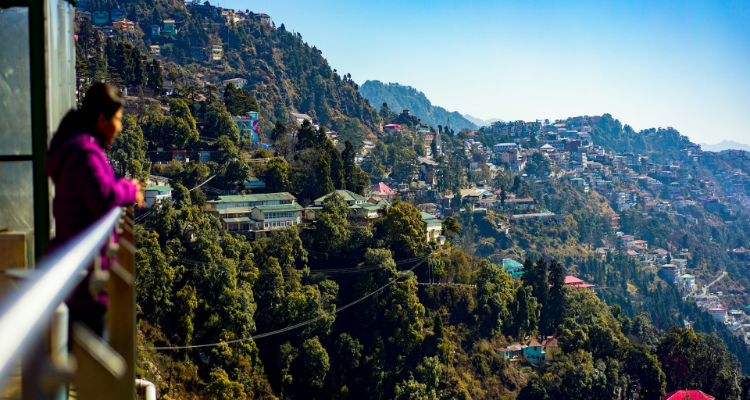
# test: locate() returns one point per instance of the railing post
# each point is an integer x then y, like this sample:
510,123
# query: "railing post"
122,306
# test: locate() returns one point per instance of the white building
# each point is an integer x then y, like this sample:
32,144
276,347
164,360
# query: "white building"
256,212
158,192
718,313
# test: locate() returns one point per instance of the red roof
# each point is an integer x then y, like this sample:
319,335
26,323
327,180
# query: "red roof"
383,188
687,395
572,280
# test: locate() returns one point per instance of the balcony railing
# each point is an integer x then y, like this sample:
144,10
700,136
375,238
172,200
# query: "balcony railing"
34,320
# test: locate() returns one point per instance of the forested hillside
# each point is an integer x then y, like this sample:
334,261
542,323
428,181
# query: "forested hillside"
369,309
283,73
399,97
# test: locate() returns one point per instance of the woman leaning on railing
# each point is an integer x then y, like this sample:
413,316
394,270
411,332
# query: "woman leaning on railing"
86,186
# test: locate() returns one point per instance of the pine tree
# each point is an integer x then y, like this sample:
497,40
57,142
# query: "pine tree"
323,176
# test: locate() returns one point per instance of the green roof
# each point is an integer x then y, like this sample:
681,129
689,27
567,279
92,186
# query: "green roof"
346,194
519,273
747,307
240,219
510,263
280,208
160,188
254,197
371,206
429,218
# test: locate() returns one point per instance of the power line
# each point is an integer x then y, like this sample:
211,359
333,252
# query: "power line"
289,328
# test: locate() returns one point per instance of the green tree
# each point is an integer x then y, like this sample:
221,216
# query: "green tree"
181,196
223,388
451,227
129,151
494,294
278,131
405,315
239,101
219,122
323,180
524,313
402,230
556,303
645,372
278,175
331,232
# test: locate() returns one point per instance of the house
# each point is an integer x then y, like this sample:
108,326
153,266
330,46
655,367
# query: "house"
248,125
433,228
382,190
551,348
155,49
533,352
157,192
476,195
118,14
427,168
687,281
155,30
216,52
391,128
670,272
124,25
169,28
255,183
300,118
719,314
578,283
513,352
513,267
238,83
687,395
256,212
349,197
264,18
369,210
100,17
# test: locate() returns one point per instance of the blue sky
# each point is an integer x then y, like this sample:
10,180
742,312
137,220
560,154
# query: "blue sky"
684,64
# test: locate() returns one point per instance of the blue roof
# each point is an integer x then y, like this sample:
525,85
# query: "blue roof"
510,263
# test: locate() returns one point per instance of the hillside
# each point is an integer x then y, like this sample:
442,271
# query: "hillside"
283,73
399,97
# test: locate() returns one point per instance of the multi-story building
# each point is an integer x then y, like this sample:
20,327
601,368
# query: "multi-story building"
216,52
256,212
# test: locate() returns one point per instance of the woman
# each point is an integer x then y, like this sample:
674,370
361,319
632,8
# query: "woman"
85,184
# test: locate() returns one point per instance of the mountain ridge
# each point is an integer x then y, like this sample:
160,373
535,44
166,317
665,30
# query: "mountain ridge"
725,145
482,122
400,97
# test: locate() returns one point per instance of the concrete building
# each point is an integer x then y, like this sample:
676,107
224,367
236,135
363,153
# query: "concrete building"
157,192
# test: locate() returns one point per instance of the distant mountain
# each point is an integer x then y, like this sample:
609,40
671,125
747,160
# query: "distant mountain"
482,122
399,97
725,145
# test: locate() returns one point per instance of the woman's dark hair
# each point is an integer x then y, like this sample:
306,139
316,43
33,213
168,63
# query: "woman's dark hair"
101,98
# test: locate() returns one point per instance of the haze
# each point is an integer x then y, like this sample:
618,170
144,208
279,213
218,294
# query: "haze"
684,64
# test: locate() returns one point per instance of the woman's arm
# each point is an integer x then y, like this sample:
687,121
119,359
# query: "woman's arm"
97,185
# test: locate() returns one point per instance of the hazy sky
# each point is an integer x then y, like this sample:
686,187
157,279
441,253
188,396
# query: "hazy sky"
684,64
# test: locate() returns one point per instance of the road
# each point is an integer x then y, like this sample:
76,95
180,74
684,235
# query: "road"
705,288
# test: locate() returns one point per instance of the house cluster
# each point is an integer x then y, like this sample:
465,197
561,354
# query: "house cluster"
259,214
532,351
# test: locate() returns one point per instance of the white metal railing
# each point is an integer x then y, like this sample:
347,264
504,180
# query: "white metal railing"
34,319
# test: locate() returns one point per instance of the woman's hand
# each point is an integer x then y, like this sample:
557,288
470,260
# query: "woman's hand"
139,200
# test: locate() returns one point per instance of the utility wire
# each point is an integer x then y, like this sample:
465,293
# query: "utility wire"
143,217
289,328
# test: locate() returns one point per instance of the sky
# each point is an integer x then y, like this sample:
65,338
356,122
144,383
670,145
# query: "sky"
681,64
